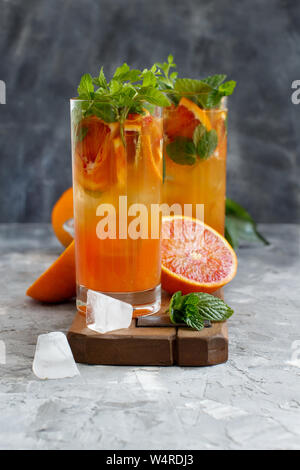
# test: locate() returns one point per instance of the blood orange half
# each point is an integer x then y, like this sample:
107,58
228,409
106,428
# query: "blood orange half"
195,258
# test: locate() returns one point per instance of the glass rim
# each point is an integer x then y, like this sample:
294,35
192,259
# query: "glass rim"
105,101
221,108
223,104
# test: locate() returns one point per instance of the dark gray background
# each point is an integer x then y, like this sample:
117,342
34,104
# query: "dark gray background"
46,45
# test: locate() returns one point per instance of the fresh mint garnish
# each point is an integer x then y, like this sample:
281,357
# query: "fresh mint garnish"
239,225
206,93
167,79
129,91
215,80
191,87
104,111
86,87
196,308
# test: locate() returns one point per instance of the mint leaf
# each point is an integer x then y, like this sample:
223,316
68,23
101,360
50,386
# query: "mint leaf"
149,78
176,301
194,321
197,308
212,308
124,74
191,86
190,299
210,100
121,71
215,80
168,79
133,76
101,80
182,151
239,225
115,86
175,308
86,87
208,92
207,144
104,111
153,96
227,88
199,132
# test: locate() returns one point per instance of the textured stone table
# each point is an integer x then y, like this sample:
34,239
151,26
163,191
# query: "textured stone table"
253,401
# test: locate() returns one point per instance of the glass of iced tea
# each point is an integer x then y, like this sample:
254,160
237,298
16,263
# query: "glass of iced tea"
117,177
195,142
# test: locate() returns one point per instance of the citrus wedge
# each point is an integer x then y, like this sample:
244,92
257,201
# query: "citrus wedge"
183,119
58,282
121,164
143,136
134,126
195,258
198,113
152,162
61,212
93,169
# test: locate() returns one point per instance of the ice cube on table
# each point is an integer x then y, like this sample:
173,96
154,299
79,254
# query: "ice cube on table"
104,313
53,357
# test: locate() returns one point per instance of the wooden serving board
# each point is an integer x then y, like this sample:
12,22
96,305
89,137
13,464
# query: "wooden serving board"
150,341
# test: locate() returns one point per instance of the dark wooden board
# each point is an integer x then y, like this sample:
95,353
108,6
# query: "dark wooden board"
151,340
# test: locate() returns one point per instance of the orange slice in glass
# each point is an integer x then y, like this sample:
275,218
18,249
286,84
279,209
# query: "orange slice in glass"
120,158
183,119
93,165
151,161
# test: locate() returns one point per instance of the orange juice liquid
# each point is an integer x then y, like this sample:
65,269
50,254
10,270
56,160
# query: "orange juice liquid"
205,181
112,265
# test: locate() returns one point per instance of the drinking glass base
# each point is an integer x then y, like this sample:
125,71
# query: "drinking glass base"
144,303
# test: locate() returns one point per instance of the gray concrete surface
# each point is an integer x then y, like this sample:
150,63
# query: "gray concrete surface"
252,402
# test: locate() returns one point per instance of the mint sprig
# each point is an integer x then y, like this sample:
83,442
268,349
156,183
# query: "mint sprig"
166,79
196,308
129,91
206,93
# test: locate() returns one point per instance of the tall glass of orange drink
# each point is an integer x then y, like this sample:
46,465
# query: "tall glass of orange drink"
195,141
117,176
